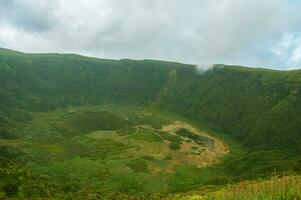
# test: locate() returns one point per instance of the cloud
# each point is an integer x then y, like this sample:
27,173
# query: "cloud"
248,32
288,49
29,15
202,68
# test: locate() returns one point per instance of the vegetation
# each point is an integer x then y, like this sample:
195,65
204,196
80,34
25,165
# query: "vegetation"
65,119
288,187
115,148
197,138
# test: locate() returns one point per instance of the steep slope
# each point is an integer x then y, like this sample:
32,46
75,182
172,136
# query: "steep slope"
257,108
47,81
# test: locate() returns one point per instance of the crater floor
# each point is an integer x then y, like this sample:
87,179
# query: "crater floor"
116,148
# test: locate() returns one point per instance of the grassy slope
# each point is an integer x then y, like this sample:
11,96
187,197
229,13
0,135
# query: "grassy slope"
288,187
260,109
48,81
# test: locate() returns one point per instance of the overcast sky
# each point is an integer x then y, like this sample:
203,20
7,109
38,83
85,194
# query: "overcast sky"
264,33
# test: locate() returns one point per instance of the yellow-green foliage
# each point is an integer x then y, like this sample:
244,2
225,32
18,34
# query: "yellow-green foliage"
288,187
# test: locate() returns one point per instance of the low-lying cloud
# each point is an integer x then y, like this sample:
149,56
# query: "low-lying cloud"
202,68
250,32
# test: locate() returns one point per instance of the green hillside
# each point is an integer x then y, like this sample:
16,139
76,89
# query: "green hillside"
59,99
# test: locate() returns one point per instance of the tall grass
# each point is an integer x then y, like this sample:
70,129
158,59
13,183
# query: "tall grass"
285,188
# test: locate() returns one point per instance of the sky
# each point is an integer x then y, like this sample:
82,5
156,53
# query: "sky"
261,33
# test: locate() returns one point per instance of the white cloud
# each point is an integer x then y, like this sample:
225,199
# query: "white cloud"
289,50
202,68
230,31
295,58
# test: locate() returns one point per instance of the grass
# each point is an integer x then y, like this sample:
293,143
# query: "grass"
288,188
120,149
175,145
138,165
252,107
146,134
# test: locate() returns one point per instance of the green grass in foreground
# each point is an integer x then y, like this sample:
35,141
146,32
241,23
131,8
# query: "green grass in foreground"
288,187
